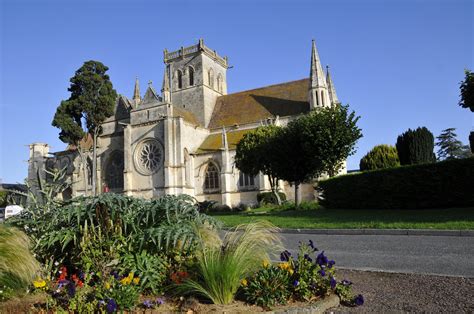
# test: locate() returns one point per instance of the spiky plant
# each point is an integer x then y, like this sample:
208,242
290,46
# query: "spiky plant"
18,267
222,266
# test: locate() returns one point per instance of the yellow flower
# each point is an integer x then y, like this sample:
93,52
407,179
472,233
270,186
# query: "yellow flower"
136,280
265,264
291,271
107,285
244,282
39,283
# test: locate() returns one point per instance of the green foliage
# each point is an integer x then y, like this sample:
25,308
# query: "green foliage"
269,286
265,198
467,91
471,141
18,267
444,184
380,157
152,270
3,198
416,147
220,267
450,147
92,231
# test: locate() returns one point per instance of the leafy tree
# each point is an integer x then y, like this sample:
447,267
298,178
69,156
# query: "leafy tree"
416,147
254,154
471,141
380,157
92,100
316,143
467,91
450,147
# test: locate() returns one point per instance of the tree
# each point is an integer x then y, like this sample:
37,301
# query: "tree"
416,147
450,147
380,157
92,100
316,143
467,91
254,155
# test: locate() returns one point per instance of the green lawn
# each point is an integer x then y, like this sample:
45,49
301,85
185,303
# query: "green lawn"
318,218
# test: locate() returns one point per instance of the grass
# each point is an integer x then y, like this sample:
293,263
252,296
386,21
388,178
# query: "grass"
310,216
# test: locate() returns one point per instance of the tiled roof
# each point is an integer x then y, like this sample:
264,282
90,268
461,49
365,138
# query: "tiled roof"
214,141
284,99
85,143
186,115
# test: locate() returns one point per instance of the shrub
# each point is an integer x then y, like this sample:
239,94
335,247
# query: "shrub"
269,198
380,157
18,267
441,185
416,147
220,267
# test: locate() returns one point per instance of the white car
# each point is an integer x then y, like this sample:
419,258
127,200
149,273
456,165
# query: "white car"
12,210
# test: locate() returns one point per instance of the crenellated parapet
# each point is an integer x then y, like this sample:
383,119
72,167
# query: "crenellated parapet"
191,50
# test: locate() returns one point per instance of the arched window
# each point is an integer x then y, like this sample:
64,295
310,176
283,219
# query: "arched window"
317,98
191,76
210,78
322,98
246,181
180,79
89,171
114,171
219,83
211,180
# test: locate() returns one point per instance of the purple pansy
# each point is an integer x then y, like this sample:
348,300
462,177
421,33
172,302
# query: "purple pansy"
346,282
296,283
285,256
160,301
148,304
111,306
322,273
359,300
331,263
321,259
333,283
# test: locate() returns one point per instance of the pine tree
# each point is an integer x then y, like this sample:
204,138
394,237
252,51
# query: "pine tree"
416,147
450,147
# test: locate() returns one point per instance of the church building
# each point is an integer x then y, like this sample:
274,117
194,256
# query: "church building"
183,139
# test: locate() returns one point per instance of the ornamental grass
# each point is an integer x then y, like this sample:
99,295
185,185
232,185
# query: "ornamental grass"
18,266
223,264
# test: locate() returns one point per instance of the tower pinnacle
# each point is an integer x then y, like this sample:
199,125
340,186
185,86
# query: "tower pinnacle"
136,93
331,88
165,88
318,91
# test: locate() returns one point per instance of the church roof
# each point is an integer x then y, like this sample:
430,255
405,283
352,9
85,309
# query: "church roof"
249,106
186,115
213,142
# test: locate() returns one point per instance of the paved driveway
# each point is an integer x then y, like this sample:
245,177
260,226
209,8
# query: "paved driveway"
441,255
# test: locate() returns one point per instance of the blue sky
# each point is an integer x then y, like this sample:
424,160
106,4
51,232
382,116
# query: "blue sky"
397,63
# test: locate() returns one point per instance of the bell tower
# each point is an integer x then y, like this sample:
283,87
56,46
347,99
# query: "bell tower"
196,76
318,90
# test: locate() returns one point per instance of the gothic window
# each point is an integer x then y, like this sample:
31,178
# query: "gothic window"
114,171
180,79
317,98
322,98
219,83
89,171
211,180
246,181
148,156
210,77
191,76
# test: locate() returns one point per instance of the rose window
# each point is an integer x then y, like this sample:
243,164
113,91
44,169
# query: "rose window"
149,156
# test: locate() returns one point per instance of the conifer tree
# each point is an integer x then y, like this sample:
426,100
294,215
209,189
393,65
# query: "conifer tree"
450,147
416,147
467,91
380,157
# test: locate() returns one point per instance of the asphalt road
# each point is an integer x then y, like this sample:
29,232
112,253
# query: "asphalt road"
439,255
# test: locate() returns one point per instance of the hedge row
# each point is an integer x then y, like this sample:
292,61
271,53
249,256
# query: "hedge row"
440,185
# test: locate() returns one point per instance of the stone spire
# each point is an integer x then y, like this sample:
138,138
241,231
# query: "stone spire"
331,88
165,89
136,93
318,93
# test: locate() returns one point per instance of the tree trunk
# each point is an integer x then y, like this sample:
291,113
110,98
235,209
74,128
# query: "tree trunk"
94,163
84,167
297,197
274,188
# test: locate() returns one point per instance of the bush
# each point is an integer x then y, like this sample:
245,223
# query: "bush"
416,147
380,157
269,198
441,185
18,267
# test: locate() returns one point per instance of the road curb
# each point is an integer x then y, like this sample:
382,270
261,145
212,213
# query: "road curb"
407,232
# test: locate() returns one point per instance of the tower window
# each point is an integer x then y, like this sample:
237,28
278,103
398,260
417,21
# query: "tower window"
210,75
322,98
219,83
211,180
246,181
180,79
191,76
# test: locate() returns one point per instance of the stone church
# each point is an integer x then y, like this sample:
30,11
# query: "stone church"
183,139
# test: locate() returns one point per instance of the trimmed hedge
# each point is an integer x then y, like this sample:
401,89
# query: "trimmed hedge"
440,185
